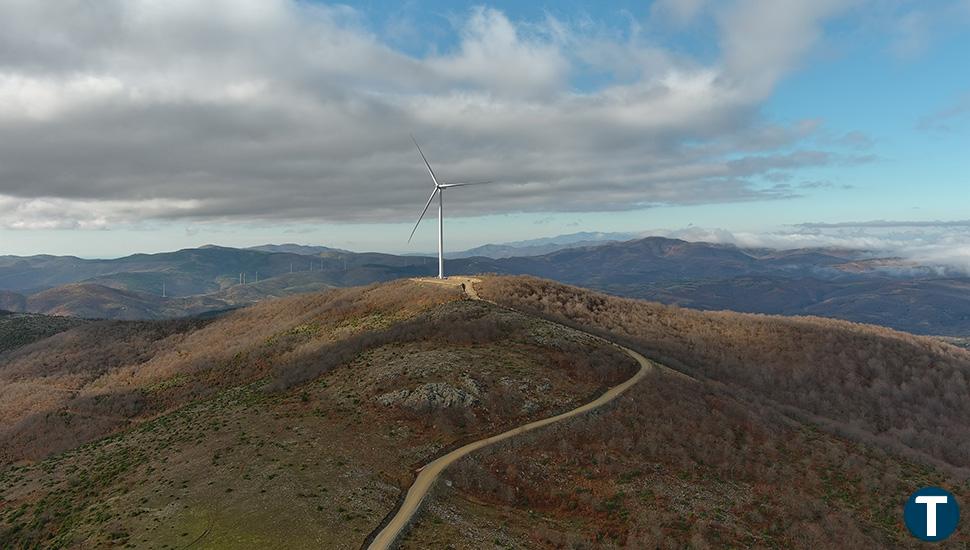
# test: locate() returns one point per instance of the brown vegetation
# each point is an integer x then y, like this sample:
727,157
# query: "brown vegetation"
677,463
273,425
87,382
464,323
20,329
907,393
300,421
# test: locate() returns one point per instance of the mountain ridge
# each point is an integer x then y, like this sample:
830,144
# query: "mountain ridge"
835,283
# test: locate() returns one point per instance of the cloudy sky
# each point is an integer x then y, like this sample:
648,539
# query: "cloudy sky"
147,125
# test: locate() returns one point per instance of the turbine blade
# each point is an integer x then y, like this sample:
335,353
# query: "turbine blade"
431,198
459,184
426,163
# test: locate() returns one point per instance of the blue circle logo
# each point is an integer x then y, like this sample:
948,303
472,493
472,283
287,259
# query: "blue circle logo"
931,514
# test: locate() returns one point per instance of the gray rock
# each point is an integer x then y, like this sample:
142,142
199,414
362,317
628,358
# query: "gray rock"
435,395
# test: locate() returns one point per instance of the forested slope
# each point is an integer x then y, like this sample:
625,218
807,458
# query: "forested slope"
907,392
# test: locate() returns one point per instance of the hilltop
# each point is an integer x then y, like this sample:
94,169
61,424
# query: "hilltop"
309,410
299,420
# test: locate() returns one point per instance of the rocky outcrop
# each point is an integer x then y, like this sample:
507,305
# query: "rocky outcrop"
434,395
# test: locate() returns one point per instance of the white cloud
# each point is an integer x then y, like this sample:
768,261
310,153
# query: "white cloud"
943,247
762,40
43,98
679,12
494,54
57,213
277,109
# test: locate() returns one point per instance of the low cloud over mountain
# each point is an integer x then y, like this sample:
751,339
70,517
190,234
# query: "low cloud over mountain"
941,246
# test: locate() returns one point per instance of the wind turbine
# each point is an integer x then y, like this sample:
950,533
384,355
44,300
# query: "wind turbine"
439,189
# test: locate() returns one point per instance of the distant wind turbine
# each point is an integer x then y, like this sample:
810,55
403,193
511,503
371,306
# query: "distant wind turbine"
439,190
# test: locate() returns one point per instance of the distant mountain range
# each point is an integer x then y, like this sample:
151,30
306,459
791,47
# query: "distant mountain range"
545,245
93,300
842,284
291,248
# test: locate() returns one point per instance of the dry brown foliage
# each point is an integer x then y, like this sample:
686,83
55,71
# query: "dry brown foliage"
307,451
86,382
904,392
676,463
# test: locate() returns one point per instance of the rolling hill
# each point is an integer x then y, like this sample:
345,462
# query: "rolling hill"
98,301
298,422
842,284
185,272
310,410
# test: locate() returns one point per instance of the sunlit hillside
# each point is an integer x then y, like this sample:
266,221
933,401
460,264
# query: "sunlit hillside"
301,420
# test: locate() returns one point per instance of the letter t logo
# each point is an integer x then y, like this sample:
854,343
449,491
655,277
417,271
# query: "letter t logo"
930,502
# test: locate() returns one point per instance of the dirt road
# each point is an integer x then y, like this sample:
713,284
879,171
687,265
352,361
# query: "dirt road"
430,472
468,282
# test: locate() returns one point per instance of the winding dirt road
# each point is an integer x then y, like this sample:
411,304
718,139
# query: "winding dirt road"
428,474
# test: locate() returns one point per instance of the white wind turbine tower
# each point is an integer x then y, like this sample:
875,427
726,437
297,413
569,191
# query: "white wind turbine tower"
439,190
